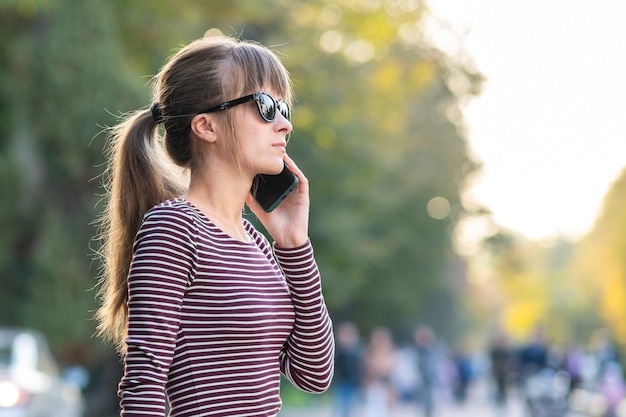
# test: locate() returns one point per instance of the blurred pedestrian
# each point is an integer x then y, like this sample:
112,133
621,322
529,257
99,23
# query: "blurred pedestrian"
379,364
602,349
501,361
428,367
533,356
535,378
463,374
612,387
206,312
574,366
348,370
404,377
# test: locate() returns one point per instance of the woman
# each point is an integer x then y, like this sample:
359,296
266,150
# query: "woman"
206,312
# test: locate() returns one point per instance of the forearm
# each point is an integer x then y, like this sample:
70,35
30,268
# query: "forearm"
307,358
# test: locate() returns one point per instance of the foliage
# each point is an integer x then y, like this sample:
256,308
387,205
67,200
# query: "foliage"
602,262
377,130
528,284
571,289
55,90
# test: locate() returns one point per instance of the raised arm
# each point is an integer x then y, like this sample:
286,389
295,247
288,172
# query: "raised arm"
307,359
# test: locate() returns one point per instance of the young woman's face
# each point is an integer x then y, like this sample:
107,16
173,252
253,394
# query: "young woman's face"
264,143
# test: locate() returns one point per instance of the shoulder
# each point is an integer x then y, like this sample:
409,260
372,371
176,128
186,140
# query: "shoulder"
175,215
174,209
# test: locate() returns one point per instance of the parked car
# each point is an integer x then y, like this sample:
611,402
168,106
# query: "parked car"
31,384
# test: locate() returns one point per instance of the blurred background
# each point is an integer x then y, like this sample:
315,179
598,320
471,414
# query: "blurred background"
404,236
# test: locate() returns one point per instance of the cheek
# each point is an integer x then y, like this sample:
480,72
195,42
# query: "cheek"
245,151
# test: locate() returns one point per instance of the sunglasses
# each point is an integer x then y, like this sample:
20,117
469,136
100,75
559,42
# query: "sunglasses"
265,103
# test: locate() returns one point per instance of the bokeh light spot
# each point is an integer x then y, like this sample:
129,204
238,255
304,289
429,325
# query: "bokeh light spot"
359,51
438,208
331,41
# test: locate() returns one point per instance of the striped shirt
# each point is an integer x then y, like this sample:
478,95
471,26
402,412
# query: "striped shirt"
214,321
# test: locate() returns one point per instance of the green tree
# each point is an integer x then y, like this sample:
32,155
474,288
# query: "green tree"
377,130
522,284
601,266
55,91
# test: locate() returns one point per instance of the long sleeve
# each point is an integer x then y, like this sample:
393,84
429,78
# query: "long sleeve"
163,260
307,359
213,321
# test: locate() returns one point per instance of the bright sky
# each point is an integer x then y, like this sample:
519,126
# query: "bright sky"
550,125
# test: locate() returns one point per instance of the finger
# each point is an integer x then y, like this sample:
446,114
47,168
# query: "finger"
302,180
291,165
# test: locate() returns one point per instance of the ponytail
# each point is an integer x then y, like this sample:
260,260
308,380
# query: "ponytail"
139,175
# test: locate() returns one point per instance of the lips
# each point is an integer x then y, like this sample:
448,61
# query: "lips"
281,145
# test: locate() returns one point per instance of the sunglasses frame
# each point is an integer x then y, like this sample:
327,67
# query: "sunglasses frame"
256,97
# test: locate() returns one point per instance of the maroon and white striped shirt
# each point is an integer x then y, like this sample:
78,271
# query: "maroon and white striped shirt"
213,321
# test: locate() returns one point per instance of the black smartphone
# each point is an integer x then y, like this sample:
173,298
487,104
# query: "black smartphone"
270,190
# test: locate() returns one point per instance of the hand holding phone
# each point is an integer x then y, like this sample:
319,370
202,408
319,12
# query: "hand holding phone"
289,191
270,190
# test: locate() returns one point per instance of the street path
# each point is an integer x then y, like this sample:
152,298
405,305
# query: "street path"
478,404
444,410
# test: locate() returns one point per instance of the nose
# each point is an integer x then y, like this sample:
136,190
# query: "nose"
282,124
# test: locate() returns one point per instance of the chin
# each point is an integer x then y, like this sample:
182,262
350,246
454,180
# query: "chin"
276,169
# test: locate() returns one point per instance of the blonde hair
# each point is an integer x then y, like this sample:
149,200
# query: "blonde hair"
147,165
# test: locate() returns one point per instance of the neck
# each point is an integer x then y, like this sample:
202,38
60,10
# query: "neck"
221,198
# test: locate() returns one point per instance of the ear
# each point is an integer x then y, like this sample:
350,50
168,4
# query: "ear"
205,127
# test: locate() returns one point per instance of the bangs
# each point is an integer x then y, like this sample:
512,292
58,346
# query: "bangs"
257,68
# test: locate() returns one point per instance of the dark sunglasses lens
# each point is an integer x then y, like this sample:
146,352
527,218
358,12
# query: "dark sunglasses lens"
267,107
283,108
